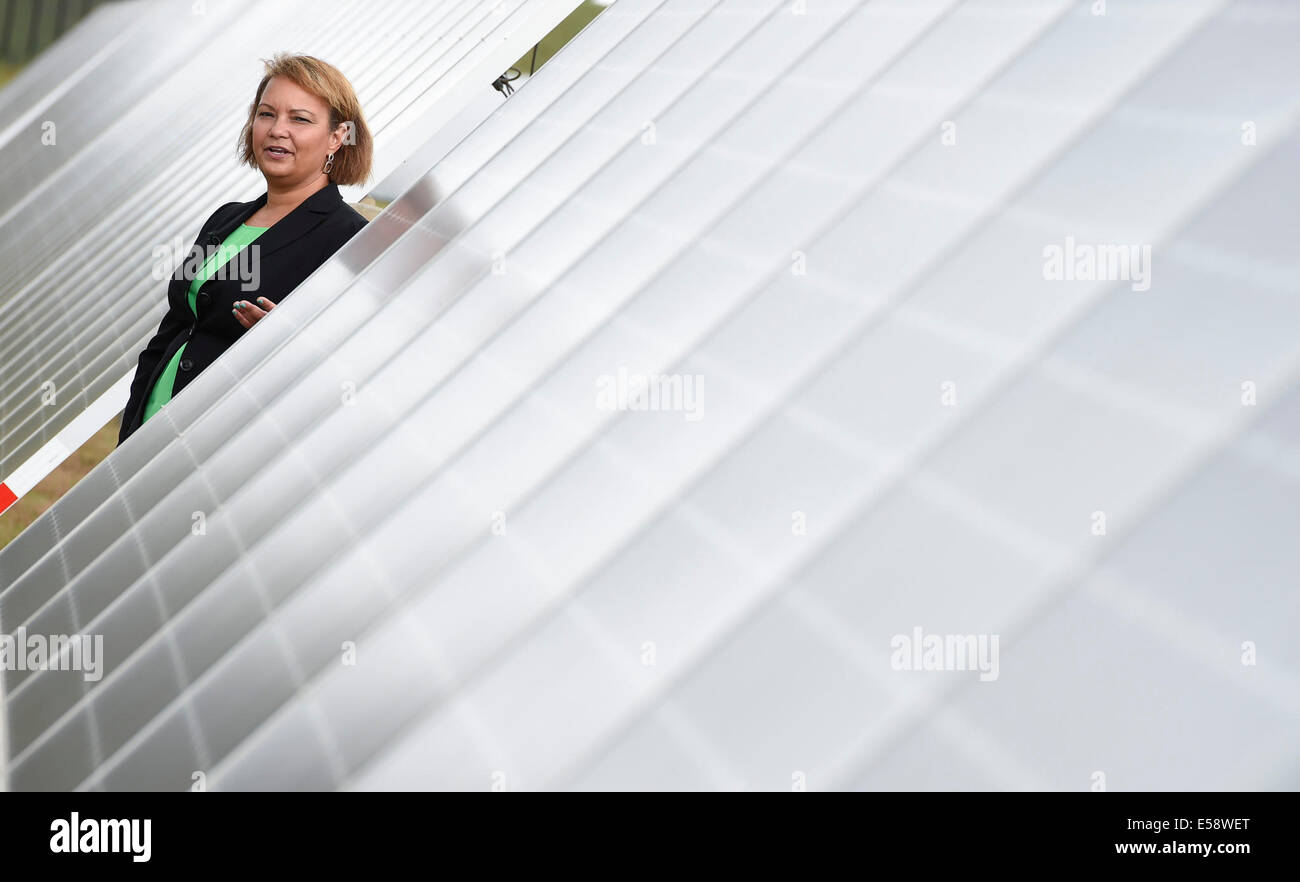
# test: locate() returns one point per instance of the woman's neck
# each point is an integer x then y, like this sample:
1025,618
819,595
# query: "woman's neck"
280,202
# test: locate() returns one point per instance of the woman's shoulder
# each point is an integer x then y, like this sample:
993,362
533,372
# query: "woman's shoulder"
350,217
341,225
345,220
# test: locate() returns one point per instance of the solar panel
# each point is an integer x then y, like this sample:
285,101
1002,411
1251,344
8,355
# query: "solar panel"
747,354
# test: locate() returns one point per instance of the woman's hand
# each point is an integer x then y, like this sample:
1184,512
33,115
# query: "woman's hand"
248,314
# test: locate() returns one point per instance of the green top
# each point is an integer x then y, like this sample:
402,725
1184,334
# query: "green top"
235,242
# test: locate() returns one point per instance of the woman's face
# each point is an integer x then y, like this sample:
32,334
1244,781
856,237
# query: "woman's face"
296,121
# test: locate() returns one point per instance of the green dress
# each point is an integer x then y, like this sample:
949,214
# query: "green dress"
235,242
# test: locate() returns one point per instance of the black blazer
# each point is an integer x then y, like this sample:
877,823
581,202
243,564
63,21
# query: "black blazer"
288,252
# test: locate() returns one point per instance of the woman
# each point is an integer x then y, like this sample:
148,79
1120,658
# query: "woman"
305,133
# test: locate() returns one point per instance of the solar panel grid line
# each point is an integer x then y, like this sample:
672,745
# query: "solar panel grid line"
1177,418
1190,637
958,731
1175,415
284,646
1209,259
716,769
1272,455
688,737
96,746
93,743
396,658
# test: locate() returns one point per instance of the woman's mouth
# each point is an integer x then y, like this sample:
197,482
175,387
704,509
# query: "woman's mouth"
277,152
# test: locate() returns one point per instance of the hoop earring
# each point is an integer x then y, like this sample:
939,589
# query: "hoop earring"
329,164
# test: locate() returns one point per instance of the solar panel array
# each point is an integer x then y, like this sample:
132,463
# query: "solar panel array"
746,343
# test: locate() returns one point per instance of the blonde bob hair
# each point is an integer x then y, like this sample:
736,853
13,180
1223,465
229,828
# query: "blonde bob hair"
325,81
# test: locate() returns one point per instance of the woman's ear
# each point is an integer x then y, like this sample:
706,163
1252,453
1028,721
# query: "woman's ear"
337,137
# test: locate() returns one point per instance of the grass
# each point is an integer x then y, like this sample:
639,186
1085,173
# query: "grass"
56,483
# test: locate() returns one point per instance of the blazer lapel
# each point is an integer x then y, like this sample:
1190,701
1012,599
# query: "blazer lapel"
302,220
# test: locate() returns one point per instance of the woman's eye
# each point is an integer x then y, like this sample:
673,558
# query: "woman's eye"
300,119
265,113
